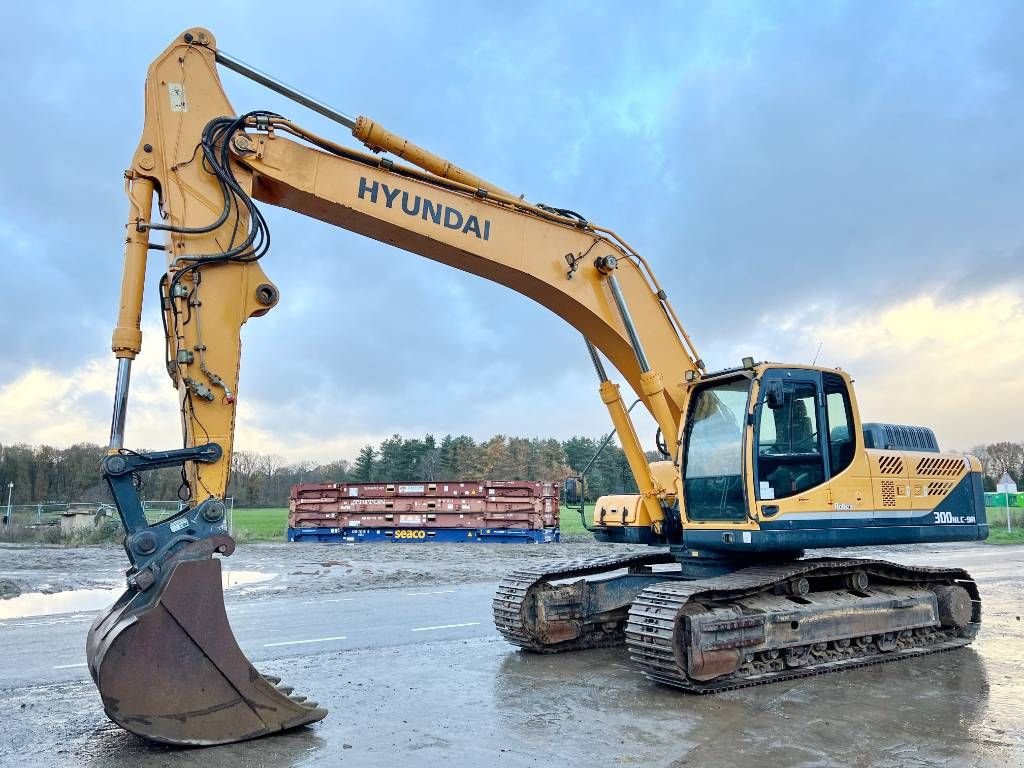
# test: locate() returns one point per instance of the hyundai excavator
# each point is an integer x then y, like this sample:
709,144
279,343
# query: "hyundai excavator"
761,461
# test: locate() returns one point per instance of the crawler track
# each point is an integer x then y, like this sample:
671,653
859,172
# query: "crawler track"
656,619
513,603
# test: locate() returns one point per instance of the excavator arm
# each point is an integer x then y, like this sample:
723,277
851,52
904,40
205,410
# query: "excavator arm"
193,186
206,167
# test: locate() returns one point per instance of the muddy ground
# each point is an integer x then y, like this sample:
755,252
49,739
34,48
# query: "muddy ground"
306,570
475,701
298,569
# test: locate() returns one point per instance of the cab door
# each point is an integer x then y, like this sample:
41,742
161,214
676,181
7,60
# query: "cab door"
850,493
790,465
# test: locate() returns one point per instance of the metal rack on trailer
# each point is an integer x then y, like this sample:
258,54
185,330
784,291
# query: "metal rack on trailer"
484,511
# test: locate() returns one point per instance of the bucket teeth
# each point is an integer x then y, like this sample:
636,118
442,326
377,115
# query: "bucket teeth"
169,669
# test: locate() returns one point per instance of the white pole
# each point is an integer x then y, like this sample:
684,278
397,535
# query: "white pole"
10,490
1009,528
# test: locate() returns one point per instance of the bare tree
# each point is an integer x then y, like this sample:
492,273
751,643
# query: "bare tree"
1007,457
981,451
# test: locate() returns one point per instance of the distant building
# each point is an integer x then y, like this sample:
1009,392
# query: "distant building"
1006,484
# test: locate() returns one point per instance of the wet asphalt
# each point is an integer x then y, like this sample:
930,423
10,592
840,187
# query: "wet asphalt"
415,677
51,649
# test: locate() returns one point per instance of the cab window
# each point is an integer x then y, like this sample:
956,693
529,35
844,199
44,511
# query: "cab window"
789,458
839,413
713,473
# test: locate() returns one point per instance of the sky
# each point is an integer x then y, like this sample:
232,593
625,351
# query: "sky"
798,174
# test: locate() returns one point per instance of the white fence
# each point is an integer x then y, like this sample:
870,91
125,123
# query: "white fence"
46,514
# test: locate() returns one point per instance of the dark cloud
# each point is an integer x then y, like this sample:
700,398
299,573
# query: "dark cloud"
852,157
763,157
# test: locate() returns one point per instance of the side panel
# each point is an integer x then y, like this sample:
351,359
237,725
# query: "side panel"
852,492
624,510
959,516
890,484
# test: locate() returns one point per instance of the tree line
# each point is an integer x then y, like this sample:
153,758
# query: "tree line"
45,474
260,480
999,458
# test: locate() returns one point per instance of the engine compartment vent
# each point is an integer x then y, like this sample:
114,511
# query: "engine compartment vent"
939,487
890,464
940,467
900,437
888,493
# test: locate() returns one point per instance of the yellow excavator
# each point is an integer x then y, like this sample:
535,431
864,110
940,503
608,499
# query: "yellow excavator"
761,461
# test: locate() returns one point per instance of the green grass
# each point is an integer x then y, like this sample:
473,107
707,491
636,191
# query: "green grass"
266,524
569,522
269,524
997,533
1002,536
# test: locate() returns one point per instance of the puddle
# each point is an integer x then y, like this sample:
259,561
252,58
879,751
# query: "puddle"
39,604
239,578
77,600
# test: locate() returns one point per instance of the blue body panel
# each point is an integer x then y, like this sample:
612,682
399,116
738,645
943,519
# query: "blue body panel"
425,535
767,540
960,516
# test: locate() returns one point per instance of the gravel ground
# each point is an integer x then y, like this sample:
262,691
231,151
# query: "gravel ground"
299,569
478,702
311,569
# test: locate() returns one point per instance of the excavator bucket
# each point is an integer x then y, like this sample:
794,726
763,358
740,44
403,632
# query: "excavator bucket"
169,669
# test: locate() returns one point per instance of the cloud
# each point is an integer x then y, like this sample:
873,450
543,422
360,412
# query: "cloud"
315,421
949,364
60,407
849,155
772,162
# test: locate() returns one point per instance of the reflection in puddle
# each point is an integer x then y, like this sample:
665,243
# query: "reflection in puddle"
38,604
71,601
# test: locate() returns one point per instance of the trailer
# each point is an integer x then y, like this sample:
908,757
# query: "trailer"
464,511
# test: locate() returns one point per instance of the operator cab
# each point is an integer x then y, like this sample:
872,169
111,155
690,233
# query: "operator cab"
803,432
775,460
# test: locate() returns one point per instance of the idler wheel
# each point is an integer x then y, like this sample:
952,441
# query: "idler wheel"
955,609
